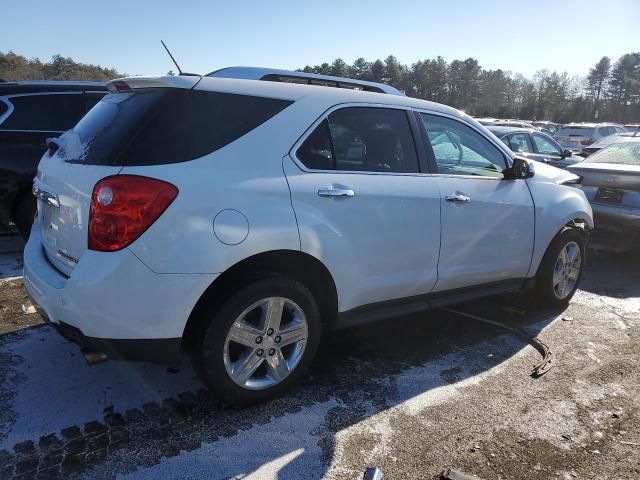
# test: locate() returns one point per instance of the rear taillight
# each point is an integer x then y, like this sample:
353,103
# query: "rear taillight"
123,207
586,142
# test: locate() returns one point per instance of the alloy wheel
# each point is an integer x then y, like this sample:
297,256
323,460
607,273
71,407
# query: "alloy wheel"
567,270
265,343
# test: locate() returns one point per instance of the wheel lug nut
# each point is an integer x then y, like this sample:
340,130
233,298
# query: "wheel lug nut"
272,351
278,338
270,331
258,340
260,352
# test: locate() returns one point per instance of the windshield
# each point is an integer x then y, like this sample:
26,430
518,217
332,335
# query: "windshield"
627,153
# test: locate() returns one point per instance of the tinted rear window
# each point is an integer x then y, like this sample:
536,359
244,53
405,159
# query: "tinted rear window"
52,112
575,131
160,126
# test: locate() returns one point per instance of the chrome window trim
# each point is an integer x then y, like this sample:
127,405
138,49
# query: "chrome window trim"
9,111
293,150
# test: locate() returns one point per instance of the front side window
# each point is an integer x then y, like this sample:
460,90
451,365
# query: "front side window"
460,150
520,142
545,146
361,139
51,113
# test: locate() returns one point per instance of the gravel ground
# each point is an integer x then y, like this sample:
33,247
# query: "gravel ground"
413,396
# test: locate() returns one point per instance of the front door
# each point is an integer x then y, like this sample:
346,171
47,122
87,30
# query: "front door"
364,208
487,224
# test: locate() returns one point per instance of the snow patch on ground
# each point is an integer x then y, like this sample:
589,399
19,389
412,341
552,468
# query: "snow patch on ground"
629,306
10,266
286,447
57,388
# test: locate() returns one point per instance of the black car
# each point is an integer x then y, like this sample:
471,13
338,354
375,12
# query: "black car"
31,112
536,145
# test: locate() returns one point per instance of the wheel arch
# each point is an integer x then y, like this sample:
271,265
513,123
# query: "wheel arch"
300,266
581,221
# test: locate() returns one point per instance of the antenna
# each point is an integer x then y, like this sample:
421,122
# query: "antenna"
176,63
172,59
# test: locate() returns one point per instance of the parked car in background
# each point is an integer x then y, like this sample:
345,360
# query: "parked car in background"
549,127
514,123
606,141
611,182
486,121
30,112
536,145
241,220
576,136
632,127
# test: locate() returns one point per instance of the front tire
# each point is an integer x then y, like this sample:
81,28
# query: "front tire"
260,342
561,269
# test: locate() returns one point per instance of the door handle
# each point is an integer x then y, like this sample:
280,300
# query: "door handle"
336,192
458,198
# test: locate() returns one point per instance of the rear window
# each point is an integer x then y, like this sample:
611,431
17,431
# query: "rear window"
161,126
575,132
51,112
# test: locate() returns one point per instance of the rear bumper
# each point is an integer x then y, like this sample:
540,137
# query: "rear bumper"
616,226
159,350
113,303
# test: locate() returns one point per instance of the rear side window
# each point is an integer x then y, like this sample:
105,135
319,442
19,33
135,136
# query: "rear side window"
53,112
3,108
361,139
161,126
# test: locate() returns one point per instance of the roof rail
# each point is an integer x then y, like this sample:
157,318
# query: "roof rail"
289,76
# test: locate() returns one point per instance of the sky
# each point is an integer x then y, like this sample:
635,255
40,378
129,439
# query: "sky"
521,37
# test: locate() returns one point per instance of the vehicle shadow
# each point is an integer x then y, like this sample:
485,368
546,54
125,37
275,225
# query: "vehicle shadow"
612,273
47,388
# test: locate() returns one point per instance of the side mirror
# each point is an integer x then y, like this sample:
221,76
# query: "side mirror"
520,169
566,153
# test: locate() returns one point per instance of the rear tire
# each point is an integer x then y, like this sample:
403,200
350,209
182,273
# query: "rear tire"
561,269
25,211
260,342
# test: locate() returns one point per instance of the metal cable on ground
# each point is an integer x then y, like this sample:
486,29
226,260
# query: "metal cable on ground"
547,357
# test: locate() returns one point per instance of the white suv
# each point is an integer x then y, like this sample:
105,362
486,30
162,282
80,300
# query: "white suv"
242,219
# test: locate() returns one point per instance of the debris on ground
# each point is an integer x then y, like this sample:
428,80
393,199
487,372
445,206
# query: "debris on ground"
547,357
451,474
28,309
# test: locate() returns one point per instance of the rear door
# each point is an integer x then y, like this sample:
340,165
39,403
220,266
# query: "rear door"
487,221
363,206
